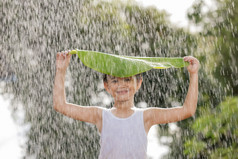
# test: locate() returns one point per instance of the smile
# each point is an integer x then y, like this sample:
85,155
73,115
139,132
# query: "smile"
121,92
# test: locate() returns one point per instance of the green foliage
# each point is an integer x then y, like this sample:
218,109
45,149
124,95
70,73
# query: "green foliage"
220,26
193,146
217,127
215,132
195,13
125,66
34,31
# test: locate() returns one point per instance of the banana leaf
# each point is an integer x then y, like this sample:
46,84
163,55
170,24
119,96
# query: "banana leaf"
126,66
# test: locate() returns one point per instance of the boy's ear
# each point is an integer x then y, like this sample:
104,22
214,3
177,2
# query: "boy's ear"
106,86
139,84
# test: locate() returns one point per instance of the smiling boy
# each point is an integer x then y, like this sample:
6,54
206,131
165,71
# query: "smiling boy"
124,127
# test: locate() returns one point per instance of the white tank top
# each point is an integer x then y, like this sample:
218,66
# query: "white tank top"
123,138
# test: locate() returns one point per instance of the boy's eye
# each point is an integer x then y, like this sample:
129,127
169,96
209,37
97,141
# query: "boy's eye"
114,81
127,79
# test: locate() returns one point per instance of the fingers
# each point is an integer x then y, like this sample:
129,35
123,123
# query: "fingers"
193,66
63,60
191,60
188,58
62,55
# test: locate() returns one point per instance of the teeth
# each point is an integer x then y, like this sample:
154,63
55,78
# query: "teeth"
123,90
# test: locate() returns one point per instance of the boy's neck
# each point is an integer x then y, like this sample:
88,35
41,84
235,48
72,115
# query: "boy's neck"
124,105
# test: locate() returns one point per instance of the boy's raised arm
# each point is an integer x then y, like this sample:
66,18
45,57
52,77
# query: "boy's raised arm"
190,103
82,113
154,116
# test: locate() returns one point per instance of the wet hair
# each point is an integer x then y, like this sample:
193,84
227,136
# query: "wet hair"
138,77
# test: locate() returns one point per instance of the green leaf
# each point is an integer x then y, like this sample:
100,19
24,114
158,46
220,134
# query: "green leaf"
193,147
125,66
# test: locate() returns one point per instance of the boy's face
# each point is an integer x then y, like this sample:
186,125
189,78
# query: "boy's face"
122,89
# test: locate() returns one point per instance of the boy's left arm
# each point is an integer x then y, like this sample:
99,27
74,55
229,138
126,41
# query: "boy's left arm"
154,116
190,103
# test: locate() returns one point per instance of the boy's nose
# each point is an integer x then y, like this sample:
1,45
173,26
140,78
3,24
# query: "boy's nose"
121,82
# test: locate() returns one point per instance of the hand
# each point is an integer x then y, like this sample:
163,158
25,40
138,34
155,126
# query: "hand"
193,66
62,60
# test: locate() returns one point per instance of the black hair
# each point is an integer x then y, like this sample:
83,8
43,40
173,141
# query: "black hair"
138,77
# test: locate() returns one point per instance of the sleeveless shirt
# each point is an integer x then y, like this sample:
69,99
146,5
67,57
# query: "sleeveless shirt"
123,138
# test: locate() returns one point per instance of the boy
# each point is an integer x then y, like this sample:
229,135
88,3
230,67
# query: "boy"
123,128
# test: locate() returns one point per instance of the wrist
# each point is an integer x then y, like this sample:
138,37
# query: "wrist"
61,71
193,76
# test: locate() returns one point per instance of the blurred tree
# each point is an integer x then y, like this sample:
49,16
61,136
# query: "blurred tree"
218,40
217,138
220,24
33,31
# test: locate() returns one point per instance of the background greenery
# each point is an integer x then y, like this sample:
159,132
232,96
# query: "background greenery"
32,32
215,129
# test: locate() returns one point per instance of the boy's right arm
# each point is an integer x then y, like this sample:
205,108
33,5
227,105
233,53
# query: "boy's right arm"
89,114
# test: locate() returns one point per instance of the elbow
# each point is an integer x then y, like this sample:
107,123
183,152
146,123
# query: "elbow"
58,102
57,106
190,111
